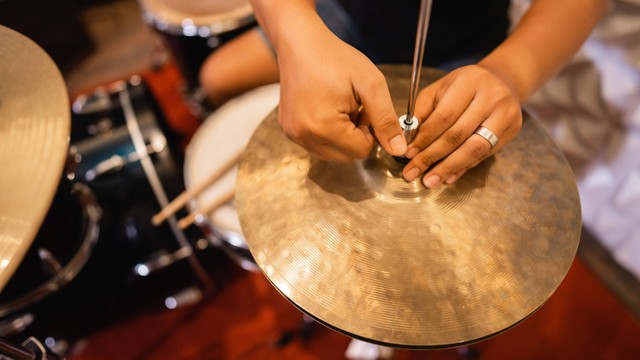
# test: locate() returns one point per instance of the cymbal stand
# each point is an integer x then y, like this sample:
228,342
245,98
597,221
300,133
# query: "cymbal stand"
409,122
467,353
305,330
30,349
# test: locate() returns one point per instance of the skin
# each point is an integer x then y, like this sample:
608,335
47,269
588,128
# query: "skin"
331,93
225,75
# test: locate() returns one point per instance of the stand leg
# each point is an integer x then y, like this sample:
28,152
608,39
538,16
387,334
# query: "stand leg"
467,353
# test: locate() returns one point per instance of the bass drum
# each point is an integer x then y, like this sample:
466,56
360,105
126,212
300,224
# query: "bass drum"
221,138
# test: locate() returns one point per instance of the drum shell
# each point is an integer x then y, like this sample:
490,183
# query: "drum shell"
101,136
191,37
190,52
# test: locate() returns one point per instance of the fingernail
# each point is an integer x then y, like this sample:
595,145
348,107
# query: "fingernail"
452,179
412,152
412,174
398,145
432,181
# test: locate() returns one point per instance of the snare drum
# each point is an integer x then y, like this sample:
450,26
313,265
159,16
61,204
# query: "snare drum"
192,29
224,135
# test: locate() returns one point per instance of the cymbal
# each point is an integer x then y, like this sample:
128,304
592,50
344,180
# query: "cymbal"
34,134
378,258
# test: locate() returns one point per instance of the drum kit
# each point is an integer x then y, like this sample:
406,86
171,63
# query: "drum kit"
353,246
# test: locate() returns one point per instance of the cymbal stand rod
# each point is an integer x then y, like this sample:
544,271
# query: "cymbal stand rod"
409,122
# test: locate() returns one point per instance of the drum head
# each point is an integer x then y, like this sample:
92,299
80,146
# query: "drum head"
223,136
219,15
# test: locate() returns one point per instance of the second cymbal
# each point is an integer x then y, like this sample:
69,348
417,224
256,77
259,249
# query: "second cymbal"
35,123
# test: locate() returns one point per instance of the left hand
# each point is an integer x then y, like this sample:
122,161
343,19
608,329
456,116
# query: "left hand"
449,111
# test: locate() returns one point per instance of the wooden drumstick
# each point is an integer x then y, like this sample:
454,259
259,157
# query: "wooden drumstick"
189,194
206,209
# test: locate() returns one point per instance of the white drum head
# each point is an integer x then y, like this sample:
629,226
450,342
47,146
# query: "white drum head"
223,136
202,13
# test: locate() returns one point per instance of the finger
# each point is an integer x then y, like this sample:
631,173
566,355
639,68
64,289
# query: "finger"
453,178
507,134
453,135
327,152
378,110
446,143
347,138
336,137
473,151
470,152
440,109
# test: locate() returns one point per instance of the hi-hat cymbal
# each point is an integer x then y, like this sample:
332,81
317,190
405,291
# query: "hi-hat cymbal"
366,253
34,134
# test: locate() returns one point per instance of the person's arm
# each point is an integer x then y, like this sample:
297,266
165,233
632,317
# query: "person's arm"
545,39
330,92
490,93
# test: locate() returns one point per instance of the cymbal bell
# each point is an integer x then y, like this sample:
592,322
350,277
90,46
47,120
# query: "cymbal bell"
34,135
373,256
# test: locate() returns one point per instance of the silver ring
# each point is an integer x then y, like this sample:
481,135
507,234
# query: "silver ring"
487,135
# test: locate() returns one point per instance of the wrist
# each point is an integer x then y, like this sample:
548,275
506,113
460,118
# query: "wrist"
513,76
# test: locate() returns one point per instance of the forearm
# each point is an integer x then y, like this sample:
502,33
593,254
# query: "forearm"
546,38
285,21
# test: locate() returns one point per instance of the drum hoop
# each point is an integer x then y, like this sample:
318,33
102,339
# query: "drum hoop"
217,235
168,21
91,214
199,136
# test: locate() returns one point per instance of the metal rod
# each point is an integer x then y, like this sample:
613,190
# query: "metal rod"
418,55
156,184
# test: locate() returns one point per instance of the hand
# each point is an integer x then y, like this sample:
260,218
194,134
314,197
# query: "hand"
449,111
330,94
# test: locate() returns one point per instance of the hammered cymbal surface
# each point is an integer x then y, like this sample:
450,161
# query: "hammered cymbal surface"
368,254
35,124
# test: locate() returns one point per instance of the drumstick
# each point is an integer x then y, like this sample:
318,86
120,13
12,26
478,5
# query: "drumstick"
206,209
188,194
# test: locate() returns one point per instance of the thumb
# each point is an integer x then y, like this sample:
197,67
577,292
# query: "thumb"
378,110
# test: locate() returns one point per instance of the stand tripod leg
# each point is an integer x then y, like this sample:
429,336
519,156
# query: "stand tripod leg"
467,353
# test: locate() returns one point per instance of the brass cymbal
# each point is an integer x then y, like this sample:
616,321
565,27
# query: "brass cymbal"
387,261
34,134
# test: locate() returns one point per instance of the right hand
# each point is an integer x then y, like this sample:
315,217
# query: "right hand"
330,95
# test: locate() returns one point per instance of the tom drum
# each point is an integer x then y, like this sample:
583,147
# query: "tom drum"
127,153
224,135
192,29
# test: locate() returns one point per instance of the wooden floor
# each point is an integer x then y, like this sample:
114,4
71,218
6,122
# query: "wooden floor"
107,314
